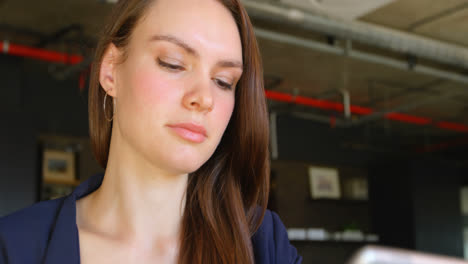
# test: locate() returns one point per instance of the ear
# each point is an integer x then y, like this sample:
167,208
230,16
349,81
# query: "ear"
107,73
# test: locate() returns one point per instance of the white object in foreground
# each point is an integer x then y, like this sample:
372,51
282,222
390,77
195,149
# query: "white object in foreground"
387,255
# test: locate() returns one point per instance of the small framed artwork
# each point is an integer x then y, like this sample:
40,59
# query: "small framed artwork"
58,165
324,183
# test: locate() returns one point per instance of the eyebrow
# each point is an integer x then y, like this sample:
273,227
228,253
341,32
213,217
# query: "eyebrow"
230,64
192,51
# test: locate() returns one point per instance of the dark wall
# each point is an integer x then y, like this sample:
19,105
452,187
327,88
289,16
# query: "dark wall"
414,201
302,143
437,216
18,184
416,205
390,187
32,103
304,140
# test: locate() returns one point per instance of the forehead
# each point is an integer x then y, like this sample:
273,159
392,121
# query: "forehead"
206,25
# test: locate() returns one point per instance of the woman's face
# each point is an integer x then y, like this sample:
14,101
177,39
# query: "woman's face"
175,90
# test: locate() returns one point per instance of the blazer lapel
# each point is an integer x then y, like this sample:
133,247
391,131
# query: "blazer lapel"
63,244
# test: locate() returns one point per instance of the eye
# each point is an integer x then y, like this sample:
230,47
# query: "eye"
170,66
224,85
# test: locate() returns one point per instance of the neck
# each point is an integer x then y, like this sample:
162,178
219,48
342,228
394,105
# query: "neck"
137,201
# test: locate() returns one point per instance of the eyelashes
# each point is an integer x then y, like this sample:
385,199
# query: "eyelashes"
223,84
178,68
170,66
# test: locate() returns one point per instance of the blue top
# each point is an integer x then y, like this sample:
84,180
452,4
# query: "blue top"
47,233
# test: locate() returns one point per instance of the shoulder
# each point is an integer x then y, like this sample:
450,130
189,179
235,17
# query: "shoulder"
31,220
271,243
27,231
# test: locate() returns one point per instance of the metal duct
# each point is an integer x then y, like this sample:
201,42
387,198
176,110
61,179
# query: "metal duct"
379,36
348,51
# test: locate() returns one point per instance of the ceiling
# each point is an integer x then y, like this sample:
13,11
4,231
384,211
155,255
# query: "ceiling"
72,26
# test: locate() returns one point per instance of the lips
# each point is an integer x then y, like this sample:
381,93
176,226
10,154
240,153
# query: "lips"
190,132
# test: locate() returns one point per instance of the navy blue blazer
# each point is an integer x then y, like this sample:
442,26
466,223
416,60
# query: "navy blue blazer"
47,233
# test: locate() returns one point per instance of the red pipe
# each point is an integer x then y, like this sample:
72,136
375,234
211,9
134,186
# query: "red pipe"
359,110
40,54
408,119
452,126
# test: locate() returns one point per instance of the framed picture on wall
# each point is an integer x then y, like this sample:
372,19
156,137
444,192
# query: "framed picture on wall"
324,183
58,165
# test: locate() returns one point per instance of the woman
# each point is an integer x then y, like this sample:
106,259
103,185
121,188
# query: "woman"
178,120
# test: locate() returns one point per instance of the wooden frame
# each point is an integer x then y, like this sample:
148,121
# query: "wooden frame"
324,183
58,166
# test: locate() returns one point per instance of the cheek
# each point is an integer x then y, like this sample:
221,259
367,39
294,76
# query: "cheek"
224,112
152,90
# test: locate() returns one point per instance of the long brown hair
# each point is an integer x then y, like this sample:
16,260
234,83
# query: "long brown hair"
226,196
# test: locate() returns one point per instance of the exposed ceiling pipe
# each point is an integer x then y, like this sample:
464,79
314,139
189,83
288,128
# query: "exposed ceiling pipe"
424,88
348,51
273,136
40,54
346,103
405,107
359,110
379,36
59,34
70,70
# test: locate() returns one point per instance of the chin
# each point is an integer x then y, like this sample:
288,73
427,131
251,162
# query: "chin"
187,165
187,168
190,161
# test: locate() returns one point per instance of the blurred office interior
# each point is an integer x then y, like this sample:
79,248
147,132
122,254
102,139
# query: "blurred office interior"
368,104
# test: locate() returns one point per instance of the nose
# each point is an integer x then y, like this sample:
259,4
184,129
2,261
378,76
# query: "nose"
199,97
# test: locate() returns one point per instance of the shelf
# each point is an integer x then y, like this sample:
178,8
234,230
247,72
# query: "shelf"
363,241
62,182
301,243
321,235
334,241
340,201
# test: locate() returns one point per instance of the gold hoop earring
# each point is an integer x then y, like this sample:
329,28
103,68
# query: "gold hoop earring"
104,106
